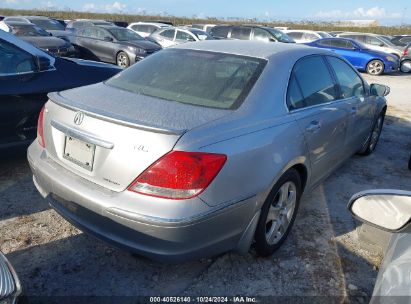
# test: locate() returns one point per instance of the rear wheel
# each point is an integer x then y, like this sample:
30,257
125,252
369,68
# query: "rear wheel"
375,67
374,136
278,213
406,66
122,60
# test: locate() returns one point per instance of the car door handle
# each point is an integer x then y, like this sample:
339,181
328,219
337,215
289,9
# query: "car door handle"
314,126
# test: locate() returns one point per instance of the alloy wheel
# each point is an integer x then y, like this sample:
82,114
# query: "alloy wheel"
122,60
375,67
281,212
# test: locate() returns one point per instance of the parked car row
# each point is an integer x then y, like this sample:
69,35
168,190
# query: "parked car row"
99,43
27,75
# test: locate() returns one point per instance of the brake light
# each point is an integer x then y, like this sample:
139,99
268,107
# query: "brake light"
405,52
179,175
40,128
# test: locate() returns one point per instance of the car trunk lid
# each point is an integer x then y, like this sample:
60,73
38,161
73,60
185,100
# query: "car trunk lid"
110,136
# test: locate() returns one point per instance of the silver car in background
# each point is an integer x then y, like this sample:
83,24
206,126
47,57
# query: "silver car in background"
375,42
204,147
170,36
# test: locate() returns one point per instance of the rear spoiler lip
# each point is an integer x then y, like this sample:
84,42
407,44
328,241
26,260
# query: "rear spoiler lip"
58,99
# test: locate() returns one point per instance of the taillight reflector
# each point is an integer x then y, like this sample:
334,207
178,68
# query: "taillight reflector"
40,128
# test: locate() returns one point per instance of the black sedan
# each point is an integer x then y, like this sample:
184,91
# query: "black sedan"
42,39
27,74
112,44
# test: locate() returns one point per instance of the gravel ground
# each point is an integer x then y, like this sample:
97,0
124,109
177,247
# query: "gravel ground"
321,257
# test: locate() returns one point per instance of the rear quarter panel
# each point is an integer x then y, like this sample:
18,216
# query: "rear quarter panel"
255,161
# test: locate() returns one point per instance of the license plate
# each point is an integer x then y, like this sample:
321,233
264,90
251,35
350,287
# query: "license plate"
79,152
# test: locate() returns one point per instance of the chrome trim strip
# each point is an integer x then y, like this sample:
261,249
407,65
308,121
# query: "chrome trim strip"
92,139
131,124
137,217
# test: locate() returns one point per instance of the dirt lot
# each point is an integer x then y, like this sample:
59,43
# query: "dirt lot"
321,257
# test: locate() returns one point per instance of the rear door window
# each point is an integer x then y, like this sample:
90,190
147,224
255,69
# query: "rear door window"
296,35
220,31
242,33
169,34
261,34
340,43
315,90
310,36
373,40
183,36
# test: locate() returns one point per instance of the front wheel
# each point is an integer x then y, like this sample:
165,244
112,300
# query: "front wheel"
122,60
374,136
278,213
405,66
375,67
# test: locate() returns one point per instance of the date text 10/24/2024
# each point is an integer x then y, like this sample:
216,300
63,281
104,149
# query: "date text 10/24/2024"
206,299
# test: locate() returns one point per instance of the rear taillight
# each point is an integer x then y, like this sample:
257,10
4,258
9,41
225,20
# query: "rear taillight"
179,175
40,128
405,52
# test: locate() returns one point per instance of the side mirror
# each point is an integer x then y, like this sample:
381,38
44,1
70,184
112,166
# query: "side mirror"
42,64
272,39
388,210
108,39
190,39
379,89
382,44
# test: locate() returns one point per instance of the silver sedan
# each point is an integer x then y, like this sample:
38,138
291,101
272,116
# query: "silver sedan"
205,147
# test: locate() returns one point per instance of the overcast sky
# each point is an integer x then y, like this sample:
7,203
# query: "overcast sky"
387,12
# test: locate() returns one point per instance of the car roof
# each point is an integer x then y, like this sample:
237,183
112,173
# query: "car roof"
14,23
249,48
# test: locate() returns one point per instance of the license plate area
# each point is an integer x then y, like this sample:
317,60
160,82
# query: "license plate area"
79,152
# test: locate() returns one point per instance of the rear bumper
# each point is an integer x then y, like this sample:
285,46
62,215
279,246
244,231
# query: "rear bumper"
164,239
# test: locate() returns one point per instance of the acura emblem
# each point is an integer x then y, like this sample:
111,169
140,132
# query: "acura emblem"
78,118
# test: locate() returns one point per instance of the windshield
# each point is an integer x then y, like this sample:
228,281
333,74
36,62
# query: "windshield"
29,31
201,35
122,34
279,35
48,24
207,79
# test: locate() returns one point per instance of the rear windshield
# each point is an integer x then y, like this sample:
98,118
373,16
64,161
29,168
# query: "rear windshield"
207,79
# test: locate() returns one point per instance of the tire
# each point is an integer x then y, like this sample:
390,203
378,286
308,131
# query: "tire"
122,60
373,137
268,238
375,67
405,66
